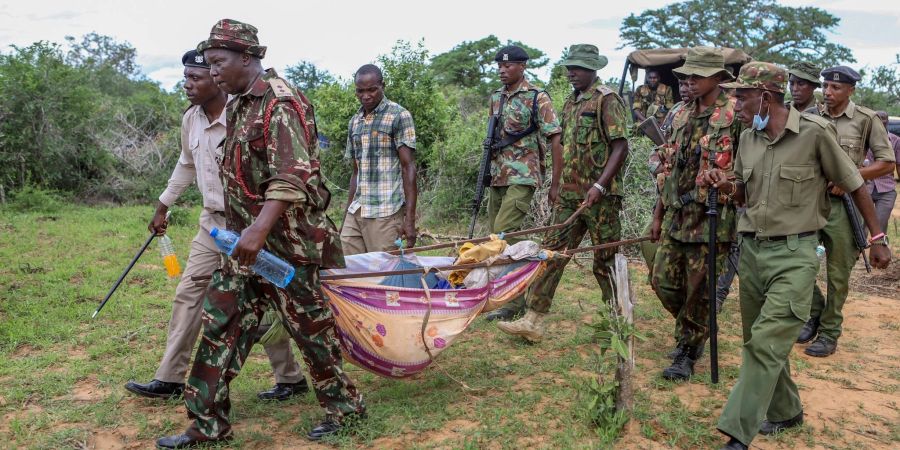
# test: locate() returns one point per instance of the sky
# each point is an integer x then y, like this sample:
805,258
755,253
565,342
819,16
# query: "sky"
340,36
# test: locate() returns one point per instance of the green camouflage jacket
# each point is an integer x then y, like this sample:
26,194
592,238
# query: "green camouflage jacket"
281,163
695,142
645,97
522,162
590,121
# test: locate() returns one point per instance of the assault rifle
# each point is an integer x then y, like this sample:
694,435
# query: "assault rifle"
484,170
859,234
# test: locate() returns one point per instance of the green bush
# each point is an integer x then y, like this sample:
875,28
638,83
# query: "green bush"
37,199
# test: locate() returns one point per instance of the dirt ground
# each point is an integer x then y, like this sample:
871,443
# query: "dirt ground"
851,399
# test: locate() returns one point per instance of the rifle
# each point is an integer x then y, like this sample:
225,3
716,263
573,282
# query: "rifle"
859,234
651,129
127,269
484,170
713,214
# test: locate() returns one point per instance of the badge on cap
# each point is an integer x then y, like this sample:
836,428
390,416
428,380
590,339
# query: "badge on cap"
198,59
506,56
837,77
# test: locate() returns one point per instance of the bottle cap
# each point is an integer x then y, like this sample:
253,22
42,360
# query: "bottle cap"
214,232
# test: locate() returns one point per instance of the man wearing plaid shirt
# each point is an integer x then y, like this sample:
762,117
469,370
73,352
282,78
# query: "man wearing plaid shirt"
381,142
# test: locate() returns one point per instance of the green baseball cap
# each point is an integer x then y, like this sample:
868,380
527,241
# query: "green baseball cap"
759,75
703,62
586,56
807,71
235,36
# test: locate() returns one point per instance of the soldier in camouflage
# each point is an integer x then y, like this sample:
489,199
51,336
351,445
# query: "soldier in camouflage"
652,98
705,136
803,81
274,196
595,146
529,122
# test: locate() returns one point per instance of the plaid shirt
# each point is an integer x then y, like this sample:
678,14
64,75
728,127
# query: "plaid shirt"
373,141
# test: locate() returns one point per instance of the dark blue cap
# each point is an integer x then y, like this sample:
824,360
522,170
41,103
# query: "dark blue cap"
194,59
511,53
841,74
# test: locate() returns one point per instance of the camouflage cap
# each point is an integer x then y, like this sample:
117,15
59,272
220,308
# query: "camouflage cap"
759,75
806,71
703,62
585,55
235,36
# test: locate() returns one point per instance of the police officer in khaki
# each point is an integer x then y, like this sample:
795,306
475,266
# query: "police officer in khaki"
785,160
858,129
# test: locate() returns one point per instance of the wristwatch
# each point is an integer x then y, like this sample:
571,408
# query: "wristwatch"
600,188
880,239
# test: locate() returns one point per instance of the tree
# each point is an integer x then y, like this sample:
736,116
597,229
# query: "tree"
471,63
880,89
764,29
96,51
307,77
409,82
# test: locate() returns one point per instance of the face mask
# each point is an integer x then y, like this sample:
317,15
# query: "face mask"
758,122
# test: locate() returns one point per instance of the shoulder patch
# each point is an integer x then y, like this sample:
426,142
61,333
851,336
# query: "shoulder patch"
280,87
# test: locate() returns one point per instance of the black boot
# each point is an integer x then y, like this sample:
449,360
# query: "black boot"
329,426
156,389
683,365
809,330
186,441
769,428
501,314
734,444
284,391
821,347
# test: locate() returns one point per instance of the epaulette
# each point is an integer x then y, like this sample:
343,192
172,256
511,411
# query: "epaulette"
868,112
603,90
816,119
280,88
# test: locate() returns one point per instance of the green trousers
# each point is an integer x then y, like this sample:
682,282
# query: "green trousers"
841,256
776,284
679,279
601,222
507,208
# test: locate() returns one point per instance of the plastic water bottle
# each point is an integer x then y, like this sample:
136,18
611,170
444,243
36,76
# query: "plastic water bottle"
267,265
820,251
170,260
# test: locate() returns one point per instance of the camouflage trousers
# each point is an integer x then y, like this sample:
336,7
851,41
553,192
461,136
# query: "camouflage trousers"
601,222
232,310
679,279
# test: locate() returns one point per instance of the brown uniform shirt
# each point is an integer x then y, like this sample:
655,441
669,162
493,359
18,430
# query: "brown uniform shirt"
859,129
785,178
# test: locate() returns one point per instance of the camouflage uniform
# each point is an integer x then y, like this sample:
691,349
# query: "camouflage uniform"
679,269
260,163
518,169
590,122
660,98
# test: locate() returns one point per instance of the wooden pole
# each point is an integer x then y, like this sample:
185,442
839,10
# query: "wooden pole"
624,309
497,262
487,238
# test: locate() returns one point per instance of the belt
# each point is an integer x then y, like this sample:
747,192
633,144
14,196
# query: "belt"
748,235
